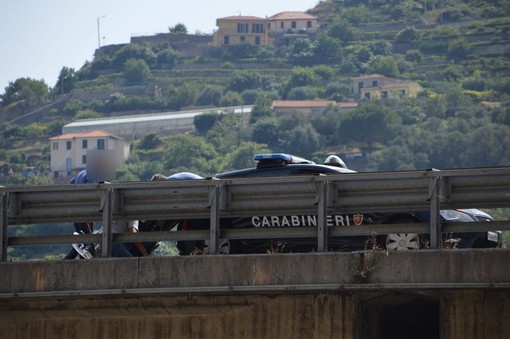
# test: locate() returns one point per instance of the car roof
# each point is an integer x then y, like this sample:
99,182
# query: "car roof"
280,164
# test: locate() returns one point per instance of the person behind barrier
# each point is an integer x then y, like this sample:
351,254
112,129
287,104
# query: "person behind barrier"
176,176
185,223
124,249
85,250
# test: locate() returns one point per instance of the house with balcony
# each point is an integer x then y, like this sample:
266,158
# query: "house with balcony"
377,86
285,27
281,28
69,152
235,30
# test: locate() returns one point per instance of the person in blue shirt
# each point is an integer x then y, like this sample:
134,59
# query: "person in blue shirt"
85,250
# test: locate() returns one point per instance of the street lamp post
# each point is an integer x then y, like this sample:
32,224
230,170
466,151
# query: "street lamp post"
62,83
99,31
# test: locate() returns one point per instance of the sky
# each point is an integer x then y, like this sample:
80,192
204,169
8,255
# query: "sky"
39,37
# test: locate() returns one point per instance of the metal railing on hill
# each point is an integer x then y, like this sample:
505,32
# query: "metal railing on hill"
428,190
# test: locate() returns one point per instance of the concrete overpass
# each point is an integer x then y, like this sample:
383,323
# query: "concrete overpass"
375,294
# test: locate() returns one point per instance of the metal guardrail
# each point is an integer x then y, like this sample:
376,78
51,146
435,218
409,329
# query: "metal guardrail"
429,190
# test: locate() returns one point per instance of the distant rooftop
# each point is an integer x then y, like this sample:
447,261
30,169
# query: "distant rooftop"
292,16
91,134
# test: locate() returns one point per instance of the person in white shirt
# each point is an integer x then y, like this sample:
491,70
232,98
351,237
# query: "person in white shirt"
123,249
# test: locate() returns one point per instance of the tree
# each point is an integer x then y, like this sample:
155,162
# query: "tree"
242,81
178,29
190,153
302,140
136,72
226,133
368,123
210,95
302,77
341,30
181,96
204,122
66,81
150,141
261,109
265,131
385,65
231,99
133,51
328,49
302,52
35,91
458,49
168,58
407,35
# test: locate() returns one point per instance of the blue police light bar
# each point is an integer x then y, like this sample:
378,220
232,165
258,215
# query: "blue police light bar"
272,156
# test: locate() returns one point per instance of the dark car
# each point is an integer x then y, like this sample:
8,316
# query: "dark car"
279,164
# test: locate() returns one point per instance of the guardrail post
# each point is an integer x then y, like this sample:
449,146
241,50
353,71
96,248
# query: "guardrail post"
214,227
322,215
106,209
435,221
3,226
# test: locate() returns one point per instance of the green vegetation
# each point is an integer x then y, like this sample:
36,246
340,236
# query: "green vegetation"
452,48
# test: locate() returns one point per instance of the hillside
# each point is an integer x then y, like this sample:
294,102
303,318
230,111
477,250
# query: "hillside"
458,51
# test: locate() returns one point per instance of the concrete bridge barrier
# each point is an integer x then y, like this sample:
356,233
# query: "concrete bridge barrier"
422,294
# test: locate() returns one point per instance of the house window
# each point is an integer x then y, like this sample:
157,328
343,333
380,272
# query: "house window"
385,94
360,86
242,28
282,24
308,24
257,40
84,144
367,95
257,28
293,24
403,93
55,146
69,165
243,38
84,159
226,40
100,144
55,174
68,145
374,83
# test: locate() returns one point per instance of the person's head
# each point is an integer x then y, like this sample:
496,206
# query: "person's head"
158,177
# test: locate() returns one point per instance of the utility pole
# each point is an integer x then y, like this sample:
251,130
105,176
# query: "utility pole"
99,31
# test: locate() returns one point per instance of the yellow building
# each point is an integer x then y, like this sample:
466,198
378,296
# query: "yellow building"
279,28
234,30
377,86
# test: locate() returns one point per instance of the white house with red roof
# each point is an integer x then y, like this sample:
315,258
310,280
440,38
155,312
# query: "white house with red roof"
69,151
292,22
